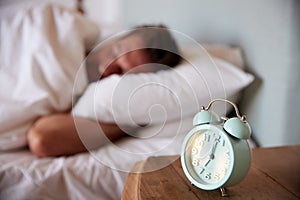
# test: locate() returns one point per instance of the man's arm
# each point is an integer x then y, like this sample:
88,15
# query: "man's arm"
61,134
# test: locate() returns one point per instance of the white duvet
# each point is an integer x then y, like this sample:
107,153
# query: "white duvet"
41,49
100,174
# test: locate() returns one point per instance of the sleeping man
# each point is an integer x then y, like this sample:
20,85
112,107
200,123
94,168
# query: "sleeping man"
58,134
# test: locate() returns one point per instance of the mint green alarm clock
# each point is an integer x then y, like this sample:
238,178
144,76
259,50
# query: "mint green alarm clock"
215,153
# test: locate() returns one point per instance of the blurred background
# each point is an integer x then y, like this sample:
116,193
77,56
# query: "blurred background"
266,31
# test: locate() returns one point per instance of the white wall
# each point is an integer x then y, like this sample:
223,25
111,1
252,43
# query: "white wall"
267,31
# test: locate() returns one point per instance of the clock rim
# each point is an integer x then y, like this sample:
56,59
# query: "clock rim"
183,157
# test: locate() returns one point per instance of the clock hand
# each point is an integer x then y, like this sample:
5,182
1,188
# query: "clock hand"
207,162
211,152
208,153
212,156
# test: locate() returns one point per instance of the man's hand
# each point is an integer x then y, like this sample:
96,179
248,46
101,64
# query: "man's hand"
58,134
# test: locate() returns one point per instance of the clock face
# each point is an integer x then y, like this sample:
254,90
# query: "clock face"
208,158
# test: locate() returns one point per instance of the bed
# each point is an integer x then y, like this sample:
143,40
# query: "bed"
100,173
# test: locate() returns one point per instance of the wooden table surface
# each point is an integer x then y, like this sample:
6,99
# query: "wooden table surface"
274,174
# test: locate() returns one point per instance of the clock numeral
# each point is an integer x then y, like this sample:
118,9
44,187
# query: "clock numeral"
217,176
227,154
218,138
195,162
199,143
226,163
207,176
222,172
194,151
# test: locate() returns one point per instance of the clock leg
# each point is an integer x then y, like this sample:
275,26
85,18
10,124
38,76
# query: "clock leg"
223,192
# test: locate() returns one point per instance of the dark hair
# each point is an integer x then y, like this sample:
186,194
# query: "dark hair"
159,43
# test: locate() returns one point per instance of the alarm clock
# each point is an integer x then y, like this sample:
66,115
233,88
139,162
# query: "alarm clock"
215,153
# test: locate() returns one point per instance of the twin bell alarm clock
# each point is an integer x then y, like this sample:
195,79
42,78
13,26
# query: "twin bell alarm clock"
215,153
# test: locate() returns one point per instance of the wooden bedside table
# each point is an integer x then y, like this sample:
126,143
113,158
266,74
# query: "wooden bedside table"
274,174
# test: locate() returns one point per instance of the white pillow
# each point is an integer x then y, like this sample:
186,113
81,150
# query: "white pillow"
42,47
153,98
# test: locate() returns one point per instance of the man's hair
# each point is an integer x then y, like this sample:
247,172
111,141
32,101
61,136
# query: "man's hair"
159,44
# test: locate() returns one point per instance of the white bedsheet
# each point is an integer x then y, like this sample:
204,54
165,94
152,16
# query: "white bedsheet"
100,174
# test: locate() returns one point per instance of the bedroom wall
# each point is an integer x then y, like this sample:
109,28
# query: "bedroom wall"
268,33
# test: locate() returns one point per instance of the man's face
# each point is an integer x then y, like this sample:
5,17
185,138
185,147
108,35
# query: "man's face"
122,56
